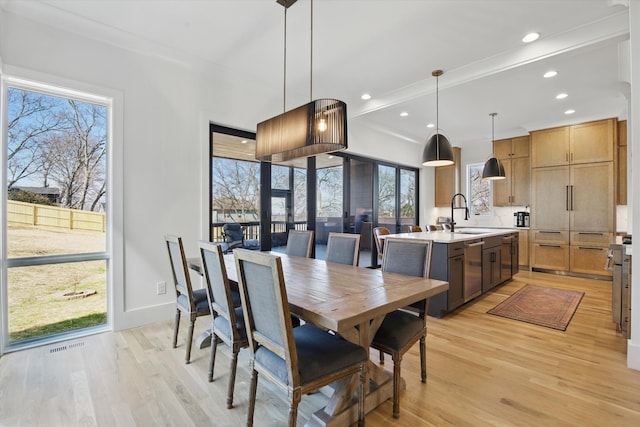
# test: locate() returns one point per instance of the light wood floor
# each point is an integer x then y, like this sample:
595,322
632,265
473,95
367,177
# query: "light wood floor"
482,370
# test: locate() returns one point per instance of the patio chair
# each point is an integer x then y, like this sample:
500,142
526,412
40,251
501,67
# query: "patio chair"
343,248
401,329
227,321
234,237
296,361
191,302
299,243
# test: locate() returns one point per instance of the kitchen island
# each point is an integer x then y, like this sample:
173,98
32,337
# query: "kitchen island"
472,260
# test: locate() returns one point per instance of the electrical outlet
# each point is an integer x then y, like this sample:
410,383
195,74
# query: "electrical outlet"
161,288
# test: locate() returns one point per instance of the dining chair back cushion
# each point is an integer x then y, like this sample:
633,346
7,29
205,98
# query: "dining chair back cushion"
299,360
299,243
414,229
343,248
221,295
408,257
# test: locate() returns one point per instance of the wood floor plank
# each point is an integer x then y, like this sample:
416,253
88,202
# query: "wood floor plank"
481,370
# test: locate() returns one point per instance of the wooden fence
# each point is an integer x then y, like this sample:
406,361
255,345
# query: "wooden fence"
21,213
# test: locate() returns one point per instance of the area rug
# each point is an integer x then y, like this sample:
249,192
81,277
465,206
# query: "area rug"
540,305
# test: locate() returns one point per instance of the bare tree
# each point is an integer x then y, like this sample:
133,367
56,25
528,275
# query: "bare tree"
31,117
329,198
236,186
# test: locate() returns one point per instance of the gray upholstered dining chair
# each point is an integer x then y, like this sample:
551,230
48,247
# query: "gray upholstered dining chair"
191,302
299,243
401,329
228,320
297,362
343,248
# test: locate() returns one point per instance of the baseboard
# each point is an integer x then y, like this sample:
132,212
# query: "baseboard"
633,355
144,316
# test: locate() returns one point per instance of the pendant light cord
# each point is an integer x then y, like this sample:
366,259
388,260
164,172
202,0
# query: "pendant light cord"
284,86
311,58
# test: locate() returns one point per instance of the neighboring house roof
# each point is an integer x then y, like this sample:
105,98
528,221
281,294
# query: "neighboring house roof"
39,190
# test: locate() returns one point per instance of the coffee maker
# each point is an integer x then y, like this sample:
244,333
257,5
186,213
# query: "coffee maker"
521,219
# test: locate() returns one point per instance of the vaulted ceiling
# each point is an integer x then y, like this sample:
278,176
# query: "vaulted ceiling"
388,48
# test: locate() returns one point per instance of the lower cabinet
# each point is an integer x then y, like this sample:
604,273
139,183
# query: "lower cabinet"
447,263
491,263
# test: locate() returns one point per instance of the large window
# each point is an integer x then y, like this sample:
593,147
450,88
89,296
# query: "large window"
56,150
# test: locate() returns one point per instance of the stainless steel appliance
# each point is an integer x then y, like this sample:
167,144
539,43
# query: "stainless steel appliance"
521,219
620,263
472,269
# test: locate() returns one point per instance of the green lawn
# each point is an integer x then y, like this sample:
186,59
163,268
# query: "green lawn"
35,294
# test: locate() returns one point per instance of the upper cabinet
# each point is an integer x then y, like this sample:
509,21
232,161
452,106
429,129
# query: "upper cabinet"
621,173
583,143
514,155
447,180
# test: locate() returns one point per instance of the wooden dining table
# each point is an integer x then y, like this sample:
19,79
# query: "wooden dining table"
352,301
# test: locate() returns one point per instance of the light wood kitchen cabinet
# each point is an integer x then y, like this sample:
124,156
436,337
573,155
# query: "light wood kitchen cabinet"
523,248
621,175
550,147
447,180
591,201
514,155
572,202
584,143
550,198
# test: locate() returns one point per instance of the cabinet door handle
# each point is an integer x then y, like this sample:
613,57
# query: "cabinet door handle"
549,232
566,197
507,238
587,248
572,197
584,233
551,246
566,157
470,245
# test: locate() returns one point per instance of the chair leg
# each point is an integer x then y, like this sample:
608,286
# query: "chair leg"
232,379
423,360
397,361
175,328
293,412
252,397
187,357
361,394
212,359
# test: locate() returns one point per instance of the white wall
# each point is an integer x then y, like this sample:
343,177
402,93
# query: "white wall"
167,108
633,346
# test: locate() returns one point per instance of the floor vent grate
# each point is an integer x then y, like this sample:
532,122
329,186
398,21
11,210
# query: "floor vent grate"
66,347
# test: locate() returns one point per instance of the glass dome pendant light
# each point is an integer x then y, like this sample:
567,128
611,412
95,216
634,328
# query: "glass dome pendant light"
438,151
493,168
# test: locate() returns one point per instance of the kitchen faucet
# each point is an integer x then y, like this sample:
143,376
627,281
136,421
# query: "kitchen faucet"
466,209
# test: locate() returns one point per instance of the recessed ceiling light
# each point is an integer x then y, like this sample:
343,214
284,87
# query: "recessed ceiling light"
531,37
330,157
365,96
404,114
244,141
570,111
550,74
431,125
561,96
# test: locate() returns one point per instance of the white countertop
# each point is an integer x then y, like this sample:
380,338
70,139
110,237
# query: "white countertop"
460,235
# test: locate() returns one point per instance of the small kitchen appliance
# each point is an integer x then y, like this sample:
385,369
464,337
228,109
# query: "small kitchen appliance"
521,219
